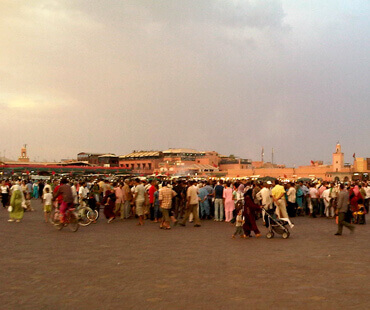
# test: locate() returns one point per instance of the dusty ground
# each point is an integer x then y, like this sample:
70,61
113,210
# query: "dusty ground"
122,266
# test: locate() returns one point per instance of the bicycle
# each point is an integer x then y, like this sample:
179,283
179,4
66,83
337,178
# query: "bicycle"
70,219
86,215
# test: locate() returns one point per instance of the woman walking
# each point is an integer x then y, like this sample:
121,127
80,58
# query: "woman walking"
41,189
4,194
229,202
355,197
16,201
250,209
35,190
109,202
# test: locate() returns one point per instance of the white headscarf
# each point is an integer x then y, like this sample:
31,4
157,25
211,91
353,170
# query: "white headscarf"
16,187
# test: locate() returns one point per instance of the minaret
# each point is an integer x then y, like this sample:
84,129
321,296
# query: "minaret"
23,156
338,159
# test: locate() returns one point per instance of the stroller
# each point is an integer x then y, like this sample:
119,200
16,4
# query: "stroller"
359,216
276,225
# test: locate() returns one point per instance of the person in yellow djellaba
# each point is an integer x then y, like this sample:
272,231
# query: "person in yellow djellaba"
16,201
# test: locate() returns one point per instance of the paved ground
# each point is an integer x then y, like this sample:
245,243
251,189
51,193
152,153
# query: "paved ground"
122,266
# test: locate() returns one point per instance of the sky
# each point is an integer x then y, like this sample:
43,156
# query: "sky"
230,76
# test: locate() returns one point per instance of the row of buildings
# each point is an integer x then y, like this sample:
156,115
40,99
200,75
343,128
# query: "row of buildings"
190,162
185,162
168,162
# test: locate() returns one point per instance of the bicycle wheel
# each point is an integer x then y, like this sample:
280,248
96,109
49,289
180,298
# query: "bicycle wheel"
59,226
55,219
92,215
54,215
83,218
73,222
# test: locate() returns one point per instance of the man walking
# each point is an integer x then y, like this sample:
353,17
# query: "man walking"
219,202
120,199
264,195
313,202
191,205
127,197
139,198
342,208
165,199
204,203
278,195
321,190
292,198
367,197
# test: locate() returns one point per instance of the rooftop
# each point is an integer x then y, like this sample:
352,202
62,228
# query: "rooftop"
201,166
92,154
142,154
178,151
108,155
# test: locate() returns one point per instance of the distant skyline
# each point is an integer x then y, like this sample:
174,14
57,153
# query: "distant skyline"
231,76
267,158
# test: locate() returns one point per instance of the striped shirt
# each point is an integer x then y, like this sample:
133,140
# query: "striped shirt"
165,197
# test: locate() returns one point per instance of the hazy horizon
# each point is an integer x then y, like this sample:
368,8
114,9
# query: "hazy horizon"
214,75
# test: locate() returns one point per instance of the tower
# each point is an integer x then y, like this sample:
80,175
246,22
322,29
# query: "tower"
23,156
338,159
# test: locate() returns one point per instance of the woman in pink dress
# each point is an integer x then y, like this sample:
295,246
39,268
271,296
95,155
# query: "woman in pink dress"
229,202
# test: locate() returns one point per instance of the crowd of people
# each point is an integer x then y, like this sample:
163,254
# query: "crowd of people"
178,202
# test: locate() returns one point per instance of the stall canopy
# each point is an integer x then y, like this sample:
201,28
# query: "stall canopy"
53,169
267,178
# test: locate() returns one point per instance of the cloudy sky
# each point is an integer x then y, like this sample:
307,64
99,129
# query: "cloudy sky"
226,75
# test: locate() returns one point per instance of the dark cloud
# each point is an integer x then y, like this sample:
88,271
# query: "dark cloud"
259,14
230,76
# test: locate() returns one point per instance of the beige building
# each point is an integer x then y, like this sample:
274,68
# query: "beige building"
338,159
337,171
24,158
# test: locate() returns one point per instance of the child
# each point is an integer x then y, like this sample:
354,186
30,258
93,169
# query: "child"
47,203
239,225
28,202
91,201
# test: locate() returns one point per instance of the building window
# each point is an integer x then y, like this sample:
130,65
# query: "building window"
144,165
138,166
132,166
149,166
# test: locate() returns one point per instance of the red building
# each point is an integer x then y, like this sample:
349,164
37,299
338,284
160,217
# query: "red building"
90,158
142,162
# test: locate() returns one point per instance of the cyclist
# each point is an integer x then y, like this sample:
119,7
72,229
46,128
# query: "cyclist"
65,192
83,192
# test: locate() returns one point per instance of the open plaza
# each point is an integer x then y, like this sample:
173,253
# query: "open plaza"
124,266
